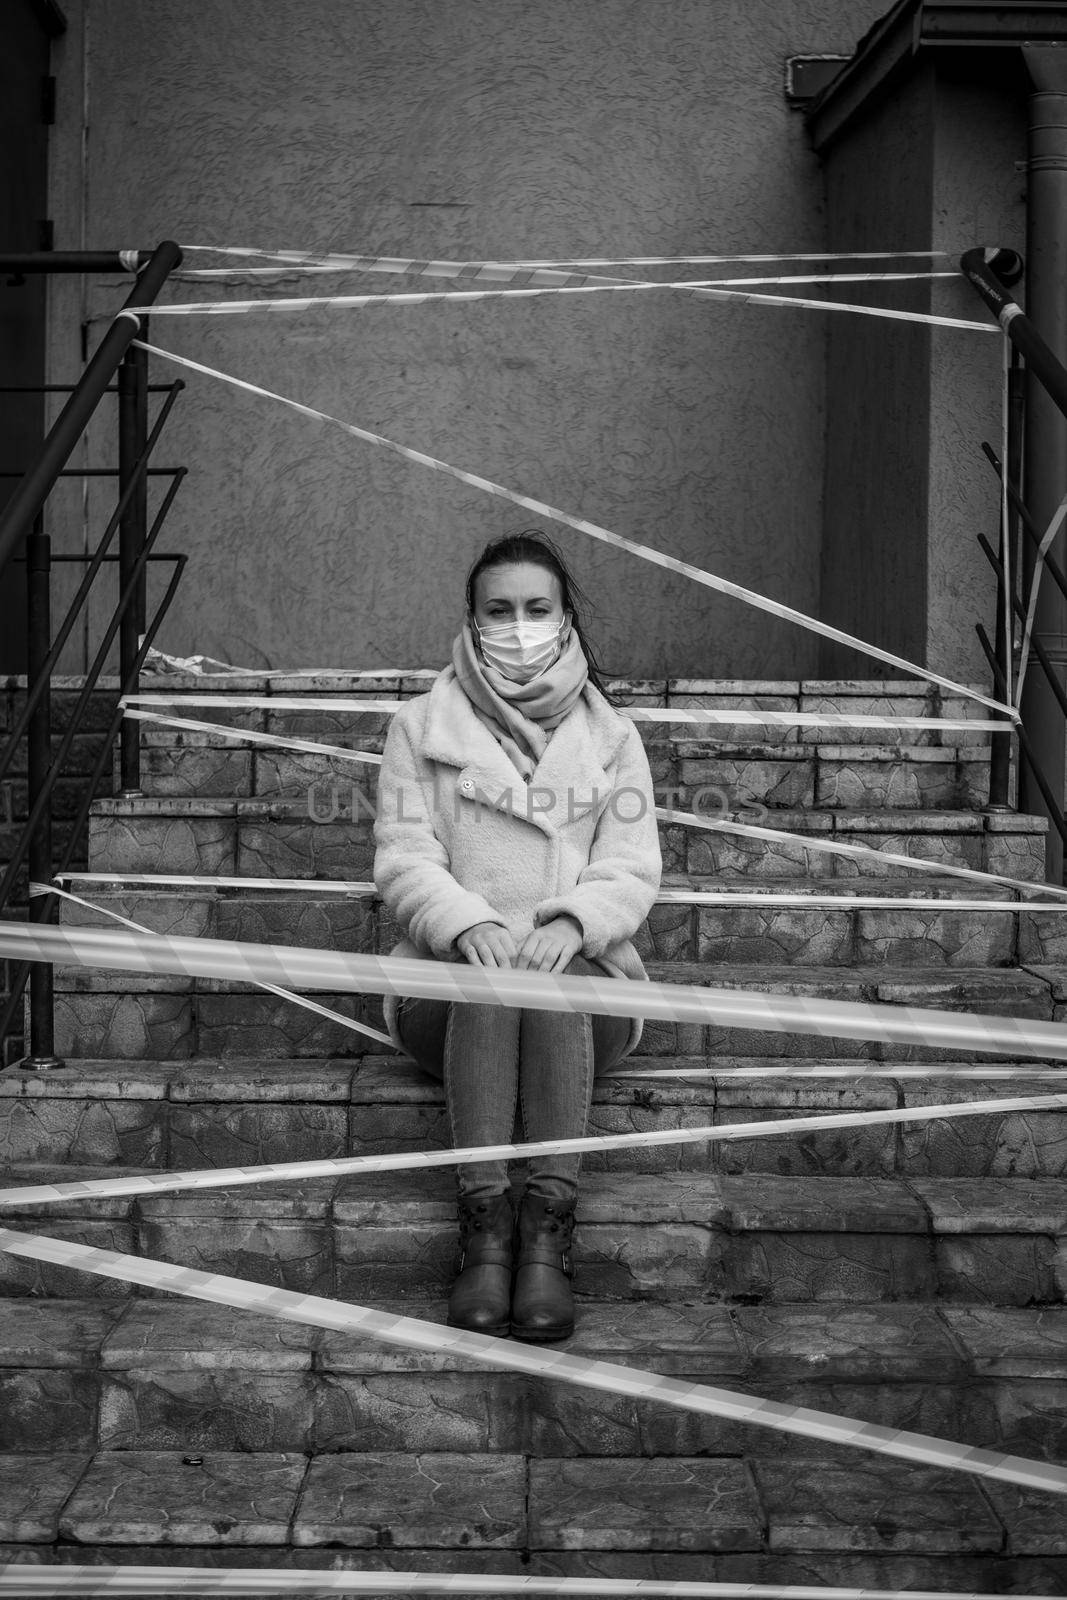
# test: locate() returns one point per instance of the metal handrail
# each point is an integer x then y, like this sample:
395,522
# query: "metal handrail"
1041,728
35,691
27,500
22,971
127,598
117,366
979,267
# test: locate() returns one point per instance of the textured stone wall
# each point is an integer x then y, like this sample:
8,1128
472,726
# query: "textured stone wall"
474,129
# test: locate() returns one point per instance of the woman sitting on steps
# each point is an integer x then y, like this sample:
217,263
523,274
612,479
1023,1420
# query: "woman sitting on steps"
516,827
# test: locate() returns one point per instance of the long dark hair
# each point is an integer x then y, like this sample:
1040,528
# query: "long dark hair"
534,545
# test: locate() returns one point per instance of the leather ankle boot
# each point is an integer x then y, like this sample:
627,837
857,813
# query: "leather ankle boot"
481,1295
542,1305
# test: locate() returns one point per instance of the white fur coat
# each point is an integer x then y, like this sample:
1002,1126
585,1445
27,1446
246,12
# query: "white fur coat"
461,838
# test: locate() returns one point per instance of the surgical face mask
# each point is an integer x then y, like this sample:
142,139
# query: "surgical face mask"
520,650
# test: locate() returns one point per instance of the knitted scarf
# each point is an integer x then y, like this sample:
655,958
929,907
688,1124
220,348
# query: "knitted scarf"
520,716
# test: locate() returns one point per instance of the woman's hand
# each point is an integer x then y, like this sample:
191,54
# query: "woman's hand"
551,946
487,944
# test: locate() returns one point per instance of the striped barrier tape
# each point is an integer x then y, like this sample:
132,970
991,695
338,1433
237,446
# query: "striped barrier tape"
704,288
851,1070
253,736
581,525
511,1356
341,971
715,716
45,1194
38,889
218,273
17,1578
861,852
349,262
843,901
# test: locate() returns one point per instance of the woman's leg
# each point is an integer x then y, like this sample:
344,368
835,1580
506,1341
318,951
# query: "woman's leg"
562,1052
474,1051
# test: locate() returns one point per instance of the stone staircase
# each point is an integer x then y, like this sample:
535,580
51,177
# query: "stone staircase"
908,1275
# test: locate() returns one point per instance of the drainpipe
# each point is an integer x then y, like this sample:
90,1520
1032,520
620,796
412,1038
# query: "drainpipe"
1046,427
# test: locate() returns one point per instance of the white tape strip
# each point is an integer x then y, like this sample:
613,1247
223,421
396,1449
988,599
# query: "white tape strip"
37,889
185,880
850,1070
220,273
706,288
28,1581
336,970
715,716
860,852
455,269
511,1356
251,736
581,525
1035,588
207,666
844,901
421,1160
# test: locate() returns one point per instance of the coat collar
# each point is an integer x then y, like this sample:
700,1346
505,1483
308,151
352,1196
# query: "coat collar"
576,758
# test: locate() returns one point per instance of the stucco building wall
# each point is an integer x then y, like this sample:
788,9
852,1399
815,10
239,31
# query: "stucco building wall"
934,166
473,129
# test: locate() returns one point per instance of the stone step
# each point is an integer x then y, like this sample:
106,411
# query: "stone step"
753,1238
720,1517
236,1113
840,935
88,1375
278,838
107,1013
719,775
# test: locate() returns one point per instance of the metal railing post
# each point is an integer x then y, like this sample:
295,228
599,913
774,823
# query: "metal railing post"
133,526
39,758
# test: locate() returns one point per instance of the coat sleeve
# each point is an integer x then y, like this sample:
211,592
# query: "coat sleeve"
618,887
411,865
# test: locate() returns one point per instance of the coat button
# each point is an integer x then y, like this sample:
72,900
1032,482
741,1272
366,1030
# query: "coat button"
467,785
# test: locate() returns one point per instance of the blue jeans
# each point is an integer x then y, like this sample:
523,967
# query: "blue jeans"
493,1059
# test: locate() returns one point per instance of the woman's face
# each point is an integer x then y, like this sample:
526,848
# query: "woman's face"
519,592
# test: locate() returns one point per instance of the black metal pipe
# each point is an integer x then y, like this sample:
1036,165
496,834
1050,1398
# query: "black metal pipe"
38,761
28,498
133,525
76,261
1052,566
1040,653
979,267
22,969
1026,748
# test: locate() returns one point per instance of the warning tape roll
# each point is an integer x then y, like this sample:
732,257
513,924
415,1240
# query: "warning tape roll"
581,525
512,1356
421,1160
302,968
17,1578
